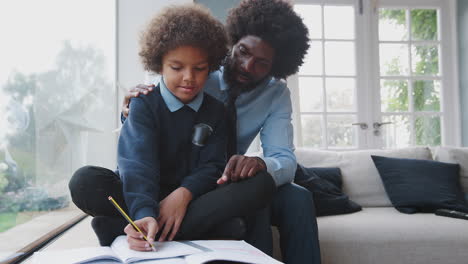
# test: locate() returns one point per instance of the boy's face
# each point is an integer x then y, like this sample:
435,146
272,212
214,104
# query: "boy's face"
185,70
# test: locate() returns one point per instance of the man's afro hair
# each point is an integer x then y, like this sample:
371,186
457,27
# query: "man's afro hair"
275,22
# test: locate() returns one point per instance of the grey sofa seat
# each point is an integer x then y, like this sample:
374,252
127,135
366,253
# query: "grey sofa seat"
383,235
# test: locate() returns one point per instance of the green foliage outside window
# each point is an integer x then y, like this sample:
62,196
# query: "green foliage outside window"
425,94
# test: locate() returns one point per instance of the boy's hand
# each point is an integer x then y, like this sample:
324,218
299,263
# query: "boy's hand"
172,211
132,93
147,225
241,167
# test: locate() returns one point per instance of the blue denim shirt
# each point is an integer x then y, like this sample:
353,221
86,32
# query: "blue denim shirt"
266,110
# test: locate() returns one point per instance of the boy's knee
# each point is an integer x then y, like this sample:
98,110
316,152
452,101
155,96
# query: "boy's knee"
83,177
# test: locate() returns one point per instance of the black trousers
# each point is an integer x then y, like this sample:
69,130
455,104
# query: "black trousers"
90,186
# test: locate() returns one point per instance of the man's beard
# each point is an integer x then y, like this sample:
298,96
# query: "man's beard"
230,73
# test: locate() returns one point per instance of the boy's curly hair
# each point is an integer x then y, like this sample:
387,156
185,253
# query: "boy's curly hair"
275,22
181,25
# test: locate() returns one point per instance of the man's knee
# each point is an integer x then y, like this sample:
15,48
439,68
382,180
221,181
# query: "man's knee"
264,182
292,197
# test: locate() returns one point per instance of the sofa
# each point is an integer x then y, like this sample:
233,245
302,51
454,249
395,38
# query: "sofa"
379,234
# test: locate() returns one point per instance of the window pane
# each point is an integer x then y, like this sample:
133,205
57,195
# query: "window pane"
56,92
392,25
311,94
428,131
341,134
424,24
397,134
312,131
393,59
425,59
340,94
339,22
393,95
426,95
340,58
313,62
312,16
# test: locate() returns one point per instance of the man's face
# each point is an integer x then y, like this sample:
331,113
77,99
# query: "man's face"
250,62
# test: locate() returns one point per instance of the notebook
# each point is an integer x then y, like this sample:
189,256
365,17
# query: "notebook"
173,252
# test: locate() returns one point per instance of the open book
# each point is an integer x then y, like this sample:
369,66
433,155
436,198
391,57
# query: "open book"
174,252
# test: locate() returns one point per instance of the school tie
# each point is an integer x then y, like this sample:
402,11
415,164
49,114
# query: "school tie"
232,122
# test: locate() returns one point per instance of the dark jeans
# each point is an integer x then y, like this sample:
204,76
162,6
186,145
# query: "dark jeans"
90,186
292,211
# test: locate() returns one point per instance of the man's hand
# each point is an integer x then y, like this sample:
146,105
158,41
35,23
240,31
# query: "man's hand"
134,92
172,211
147,225
240,167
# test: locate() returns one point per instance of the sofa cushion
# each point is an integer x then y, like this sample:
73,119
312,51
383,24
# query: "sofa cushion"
325,186
455,155
421,185
385,236
361,181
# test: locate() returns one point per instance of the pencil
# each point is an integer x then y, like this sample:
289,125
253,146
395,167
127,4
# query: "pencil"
122,212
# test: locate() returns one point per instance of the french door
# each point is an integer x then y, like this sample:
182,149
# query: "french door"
378,74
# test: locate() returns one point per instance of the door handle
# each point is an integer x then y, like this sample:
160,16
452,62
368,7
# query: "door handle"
362,125
377,125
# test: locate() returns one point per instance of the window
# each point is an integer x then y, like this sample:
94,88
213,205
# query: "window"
57,98
410,79
378,74
327,81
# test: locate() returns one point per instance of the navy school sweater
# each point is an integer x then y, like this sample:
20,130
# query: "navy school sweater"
156,154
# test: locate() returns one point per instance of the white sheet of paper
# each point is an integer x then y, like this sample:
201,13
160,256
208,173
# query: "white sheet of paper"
230,250
180,260
228,256
167,249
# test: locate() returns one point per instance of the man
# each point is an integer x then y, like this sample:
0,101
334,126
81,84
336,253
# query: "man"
268,42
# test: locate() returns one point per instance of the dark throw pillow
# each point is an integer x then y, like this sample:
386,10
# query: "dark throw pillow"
325,186
421,185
